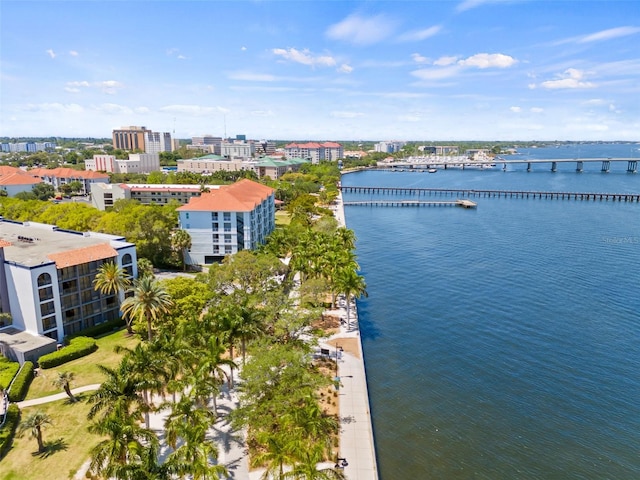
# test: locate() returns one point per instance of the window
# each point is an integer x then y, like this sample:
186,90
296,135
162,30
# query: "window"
44,279
126,259
214,215
227,216
228,249
48,323
45,293
215,226
227,239
187,215
47,309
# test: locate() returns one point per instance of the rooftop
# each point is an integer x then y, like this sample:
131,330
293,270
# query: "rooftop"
242,196
33,244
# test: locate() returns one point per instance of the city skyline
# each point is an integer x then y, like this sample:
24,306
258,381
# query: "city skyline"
455,70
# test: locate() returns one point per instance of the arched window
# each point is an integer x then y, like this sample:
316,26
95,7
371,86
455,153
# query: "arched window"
44,279
126,259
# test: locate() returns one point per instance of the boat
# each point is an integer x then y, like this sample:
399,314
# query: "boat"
432,170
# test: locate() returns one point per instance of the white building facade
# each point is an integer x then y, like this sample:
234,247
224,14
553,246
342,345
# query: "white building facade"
224,221
46,280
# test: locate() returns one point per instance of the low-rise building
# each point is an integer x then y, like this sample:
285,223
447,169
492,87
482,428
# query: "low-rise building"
208,164
14,180
47,274
137,163
274,168
61,176
226,220
105,195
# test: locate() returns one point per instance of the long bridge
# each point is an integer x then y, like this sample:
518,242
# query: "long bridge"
444,162
453,192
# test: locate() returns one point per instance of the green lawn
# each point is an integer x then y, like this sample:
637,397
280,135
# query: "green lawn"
67,440
84,369
282,218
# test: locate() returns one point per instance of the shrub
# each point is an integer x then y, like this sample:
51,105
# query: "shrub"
9,429
103,328
78,347
21,384
8,370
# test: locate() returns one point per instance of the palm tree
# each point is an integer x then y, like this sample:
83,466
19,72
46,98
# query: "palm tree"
147,371
126,451
181,242
149,302
111,279
280,449
308,469
118,395
351,284
190,423
35,423
63,381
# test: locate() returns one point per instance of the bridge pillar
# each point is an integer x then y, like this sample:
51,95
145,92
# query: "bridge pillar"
605,166
504,167
528,166
632,166
579,167
554,166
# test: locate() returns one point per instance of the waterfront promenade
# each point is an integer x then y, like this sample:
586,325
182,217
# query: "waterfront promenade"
356,431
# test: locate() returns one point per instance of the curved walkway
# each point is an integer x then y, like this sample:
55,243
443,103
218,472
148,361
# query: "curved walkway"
57,396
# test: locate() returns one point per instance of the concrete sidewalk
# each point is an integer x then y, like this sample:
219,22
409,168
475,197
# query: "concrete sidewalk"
57,396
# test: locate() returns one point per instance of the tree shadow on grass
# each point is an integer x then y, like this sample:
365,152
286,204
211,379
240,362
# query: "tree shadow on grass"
51,447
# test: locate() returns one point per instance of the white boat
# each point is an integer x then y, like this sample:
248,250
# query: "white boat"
432,170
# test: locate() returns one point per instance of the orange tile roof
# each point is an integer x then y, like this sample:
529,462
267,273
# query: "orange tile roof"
63,172
4,243
79,256
18,178
242,196
314,145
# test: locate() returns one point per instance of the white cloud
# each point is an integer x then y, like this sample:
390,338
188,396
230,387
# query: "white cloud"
362,30
436,73
418,35
73,53
82,83
343,114
444,61
609,34
536,110
114,109
193,110
570,78
419,58
515,109
54,107
243,49
409,118
488,60
252,77
110,87
304,57
142,110
344,68
469,4
51,53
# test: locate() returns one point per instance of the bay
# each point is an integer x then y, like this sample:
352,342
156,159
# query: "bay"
504,341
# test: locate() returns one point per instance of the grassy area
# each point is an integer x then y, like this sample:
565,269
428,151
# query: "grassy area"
84,369
282,218
67,440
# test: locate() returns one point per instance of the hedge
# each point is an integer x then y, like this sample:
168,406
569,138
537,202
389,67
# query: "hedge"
8,370
102,328
78,347
9,429
21,383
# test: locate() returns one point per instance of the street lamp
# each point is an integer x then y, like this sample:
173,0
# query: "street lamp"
338,349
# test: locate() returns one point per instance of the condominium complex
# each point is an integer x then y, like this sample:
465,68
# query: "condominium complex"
315,152
389,147
47,274
226,220
14,180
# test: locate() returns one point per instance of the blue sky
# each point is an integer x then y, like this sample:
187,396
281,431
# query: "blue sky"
323,70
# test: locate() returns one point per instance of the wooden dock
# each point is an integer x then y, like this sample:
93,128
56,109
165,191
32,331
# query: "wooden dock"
413,203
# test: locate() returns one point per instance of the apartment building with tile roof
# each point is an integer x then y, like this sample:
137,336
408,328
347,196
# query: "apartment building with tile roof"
62,175
314,151
47,274
14,180
226,220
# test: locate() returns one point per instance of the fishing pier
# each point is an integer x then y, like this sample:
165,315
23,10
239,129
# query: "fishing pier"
447,192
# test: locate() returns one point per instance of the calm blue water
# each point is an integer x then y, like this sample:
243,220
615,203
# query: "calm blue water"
504,342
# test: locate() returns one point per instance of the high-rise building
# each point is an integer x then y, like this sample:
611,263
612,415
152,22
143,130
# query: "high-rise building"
130,138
